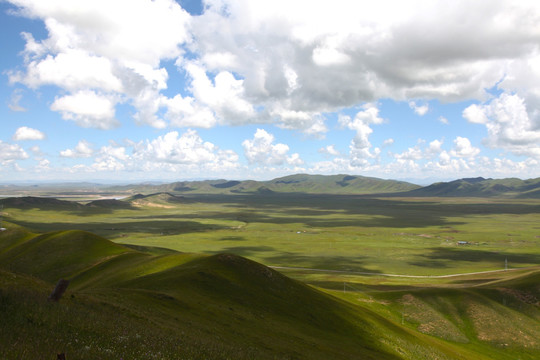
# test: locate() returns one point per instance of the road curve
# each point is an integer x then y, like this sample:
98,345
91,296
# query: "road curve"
391,275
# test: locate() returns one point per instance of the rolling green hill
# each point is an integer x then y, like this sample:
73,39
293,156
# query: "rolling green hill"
131,303
480,187
160,198
299,183
502,313
33,202
349,184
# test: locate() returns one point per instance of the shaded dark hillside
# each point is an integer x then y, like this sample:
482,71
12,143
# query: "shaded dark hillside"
32,202
109,204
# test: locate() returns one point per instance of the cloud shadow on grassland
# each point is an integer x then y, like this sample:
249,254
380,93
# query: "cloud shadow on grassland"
245,251
340,263
116,229
439,257
311,209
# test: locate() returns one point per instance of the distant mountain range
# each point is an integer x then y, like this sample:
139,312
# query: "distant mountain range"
299,184
350,184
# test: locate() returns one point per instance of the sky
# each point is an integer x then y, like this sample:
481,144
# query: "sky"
164,90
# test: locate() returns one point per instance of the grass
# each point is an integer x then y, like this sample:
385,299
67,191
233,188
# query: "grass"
389,235
171,276
231,307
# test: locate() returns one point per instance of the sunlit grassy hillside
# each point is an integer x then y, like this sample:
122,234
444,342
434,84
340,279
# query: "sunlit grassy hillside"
150,303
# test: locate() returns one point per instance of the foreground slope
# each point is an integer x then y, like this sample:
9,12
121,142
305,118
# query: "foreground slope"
496,314
126,303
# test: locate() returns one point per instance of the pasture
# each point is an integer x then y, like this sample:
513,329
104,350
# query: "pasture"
343,246
413,236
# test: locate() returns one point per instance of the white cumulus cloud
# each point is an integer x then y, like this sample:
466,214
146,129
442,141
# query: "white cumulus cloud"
360,148
329,150
83,149
26,133
87,109
463,148
508,123
187,149
225,96
11,152
114,48
419,109
261,150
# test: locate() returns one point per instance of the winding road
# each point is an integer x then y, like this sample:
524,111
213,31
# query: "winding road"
351,272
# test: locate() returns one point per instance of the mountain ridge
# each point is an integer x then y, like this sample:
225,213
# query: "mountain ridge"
343,184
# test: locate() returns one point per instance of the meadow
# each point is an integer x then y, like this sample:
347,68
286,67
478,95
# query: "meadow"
366,277
412,236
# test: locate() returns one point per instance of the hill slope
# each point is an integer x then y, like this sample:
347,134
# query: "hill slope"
124,303
302,183
32,202
480,187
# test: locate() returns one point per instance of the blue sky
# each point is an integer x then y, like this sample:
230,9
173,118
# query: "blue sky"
166,90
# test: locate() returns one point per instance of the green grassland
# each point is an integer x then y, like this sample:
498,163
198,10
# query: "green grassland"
171,292
416,236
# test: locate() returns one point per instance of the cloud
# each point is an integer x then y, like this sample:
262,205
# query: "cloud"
11,152
43,165
329,150
309,123
71,70
36,150
26,133
388,142
419,109
83,149
186,150
463,148
276,61
87,109
186,112
14,103
168,156
363,52
508,124
225,95
412,153
111,158
360,148
434,147
103,28
443,120
261,150
110,48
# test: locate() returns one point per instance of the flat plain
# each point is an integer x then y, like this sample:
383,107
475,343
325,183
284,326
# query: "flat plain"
414,236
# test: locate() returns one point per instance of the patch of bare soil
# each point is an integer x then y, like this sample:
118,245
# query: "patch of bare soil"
497,325
429,320
523,296
151,204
